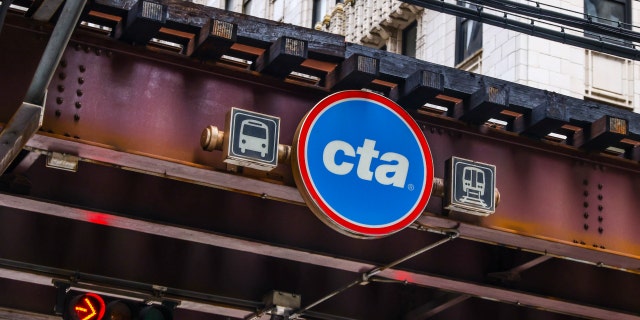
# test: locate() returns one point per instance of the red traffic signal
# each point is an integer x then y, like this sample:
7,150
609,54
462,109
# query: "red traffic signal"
88,306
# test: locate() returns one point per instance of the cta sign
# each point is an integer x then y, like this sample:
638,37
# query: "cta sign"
362,164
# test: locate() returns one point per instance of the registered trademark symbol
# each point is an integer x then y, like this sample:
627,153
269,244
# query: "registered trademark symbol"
410,187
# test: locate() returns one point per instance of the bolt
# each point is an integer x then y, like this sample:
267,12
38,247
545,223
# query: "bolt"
586,193
78,104
586,204
600,197
63,63
76,117
595,245
79,93
60,88
586,215
586,226
80,80
600,186
82,68
600,207
600,230
62,75
59,100
98,52
600,218
58,113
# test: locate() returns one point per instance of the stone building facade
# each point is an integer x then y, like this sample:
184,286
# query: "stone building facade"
451,41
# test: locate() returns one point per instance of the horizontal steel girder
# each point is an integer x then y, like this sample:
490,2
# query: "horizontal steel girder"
227,181
228,242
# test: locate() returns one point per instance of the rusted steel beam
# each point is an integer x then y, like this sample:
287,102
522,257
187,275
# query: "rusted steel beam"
145,103
307,257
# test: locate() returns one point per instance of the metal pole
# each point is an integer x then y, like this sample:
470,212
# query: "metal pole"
26,121
3,11
364,277
54,50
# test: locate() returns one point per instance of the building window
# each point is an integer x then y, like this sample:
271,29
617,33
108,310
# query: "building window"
609,78
609,12
468,36
409,38
319,10
246,6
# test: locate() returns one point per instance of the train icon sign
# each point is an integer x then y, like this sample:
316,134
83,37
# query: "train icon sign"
252,140
362,164
471,186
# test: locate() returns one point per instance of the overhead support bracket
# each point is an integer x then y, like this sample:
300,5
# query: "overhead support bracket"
484,104
144,20
216,41
284,55
26,121
420,87
606,132
356,72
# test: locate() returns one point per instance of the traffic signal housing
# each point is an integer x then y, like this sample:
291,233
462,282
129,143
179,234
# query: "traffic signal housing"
92,306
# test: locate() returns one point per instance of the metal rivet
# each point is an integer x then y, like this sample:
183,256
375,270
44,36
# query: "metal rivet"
586,193
76,117
600,207
79,93
78,47
585,182
600,197
600,230
58,113
600,186
59,100
600,218
582,243
98,52
78,104
60,88
66,134
62,75
80,80
82,68
586,226
76,137
87,49
586,215
586,204
109,54
63,63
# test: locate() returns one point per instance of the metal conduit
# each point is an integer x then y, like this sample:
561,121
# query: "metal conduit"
553,16
528,28
365,277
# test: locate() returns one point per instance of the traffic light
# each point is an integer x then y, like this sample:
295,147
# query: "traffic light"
91,306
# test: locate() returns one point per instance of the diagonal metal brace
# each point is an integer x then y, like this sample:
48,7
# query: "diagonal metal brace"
26,121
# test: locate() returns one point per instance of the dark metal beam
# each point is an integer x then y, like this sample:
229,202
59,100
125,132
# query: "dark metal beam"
308,257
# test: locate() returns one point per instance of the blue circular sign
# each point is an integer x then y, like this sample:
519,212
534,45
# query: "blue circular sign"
362,164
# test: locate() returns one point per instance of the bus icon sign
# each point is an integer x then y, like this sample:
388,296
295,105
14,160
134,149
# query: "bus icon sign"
471,187
252,140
